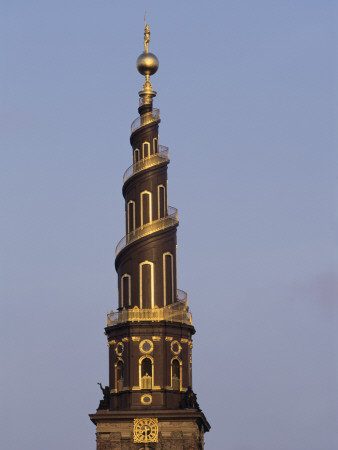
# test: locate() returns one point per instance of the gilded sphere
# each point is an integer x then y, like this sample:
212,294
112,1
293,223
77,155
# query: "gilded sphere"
147,64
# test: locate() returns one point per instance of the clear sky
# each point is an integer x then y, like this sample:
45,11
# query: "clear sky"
247,93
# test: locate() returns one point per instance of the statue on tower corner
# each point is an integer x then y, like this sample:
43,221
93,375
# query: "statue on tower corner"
189,400
104,404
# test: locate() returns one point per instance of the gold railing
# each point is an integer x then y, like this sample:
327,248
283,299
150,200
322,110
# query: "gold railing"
172,313
145,163
149,228
145,119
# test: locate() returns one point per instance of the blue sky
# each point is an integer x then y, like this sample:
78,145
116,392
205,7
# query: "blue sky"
247,92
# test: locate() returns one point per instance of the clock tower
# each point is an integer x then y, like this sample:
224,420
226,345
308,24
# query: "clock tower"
149,402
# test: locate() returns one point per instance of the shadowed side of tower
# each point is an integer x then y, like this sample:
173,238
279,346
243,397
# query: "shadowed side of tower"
149,402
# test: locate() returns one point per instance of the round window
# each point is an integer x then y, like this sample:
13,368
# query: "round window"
119,348
146,346
146,399
176,347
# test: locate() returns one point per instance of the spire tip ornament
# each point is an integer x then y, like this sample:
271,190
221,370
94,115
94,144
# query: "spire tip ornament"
147,64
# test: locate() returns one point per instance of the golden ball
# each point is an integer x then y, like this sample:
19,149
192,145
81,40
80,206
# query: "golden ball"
147,64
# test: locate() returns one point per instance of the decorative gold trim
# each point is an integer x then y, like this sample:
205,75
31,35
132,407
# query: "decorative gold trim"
125,339
184,341
135,338
146,352
156,338
111,342
168,338
136,388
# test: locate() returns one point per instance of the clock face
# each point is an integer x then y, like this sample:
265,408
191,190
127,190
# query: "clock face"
145,430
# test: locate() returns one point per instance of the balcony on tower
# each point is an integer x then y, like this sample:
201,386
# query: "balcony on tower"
145,119
149,228
175,312
145,163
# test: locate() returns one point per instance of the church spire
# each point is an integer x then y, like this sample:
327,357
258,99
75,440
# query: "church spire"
149,397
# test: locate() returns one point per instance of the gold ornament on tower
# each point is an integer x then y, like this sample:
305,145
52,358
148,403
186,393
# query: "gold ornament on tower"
147,64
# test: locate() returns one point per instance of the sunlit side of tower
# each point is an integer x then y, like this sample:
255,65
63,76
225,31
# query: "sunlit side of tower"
149,402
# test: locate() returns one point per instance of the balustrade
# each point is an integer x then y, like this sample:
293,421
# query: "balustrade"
149,228
145,163
177,312
145,119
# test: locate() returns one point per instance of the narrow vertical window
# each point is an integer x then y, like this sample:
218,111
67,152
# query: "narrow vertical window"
168,278
147,285
119,376
146,149
146,373
155,145
125,290
136,155
175,374
161,203
131,216
146,207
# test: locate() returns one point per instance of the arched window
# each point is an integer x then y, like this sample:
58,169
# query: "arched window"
176,374
136,155
155,145
146,149
146,208
146,285
146,373
161,203
125,290
119,376
131,216
168,278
